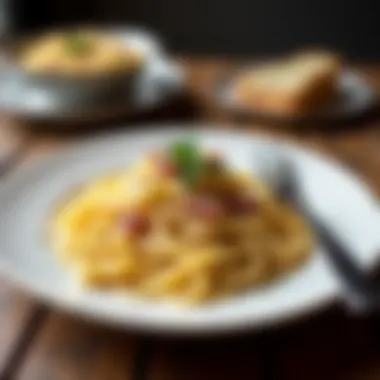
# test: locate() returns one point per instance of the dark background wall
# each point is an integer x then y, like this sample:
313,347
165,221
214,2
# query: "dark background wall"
227,27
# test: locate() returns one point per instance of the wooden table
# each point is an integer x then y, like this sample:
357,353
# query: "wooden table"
37,343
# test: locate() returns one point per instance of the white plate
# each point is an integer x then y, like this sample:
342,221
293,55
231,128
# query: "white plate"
354,97
28,196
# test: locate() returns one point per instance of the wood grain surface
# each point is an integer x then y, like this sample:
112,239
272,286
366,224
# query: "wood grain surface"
37,343
68,349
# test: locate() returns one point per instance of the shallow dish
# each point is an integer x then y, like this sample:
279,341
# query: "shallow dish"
354,98
29,195
77,88
161,80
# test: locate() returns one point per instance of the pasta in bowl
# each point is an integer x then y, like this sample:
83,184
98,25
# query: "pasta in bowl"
78,53
77,66
179,224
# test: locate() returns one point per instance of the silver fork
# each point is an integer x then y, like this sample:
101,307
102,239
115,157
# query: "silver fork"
362,294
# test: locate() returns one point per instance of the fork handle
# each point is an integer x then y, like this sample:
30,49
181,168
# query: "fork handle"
362,293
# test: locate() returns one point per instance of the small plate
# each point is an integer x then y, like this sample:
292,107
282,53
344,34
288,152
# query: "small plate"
161,79
28,196
354,98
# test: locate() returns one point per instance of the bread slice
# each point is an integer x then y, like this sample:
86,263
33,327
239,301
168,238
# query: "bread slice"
295,85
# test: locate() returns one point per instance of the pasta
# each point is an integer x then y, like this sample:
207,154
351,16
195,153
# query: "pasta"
165,233
73,53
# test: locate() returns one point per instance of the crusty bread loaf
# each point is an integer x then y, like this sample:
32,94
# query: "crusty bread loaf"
293,85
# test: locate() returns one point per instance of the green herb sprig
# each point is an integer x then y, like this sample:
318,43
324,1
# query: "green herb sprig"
188,160
76,43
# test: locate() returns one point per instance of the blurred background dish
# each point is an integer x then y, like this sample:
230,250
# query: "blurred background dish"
295,85
81,64
78,53
59,89
311,85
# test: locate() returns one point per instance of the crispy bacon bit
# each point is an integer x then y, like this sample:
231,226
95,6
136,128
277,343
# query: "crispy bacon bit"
242,204
165,165
204,207
135,223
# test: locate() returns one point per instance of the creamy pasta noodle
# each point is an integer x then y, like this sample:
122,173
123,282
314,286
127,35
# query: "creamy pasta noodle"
78,53
180,224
